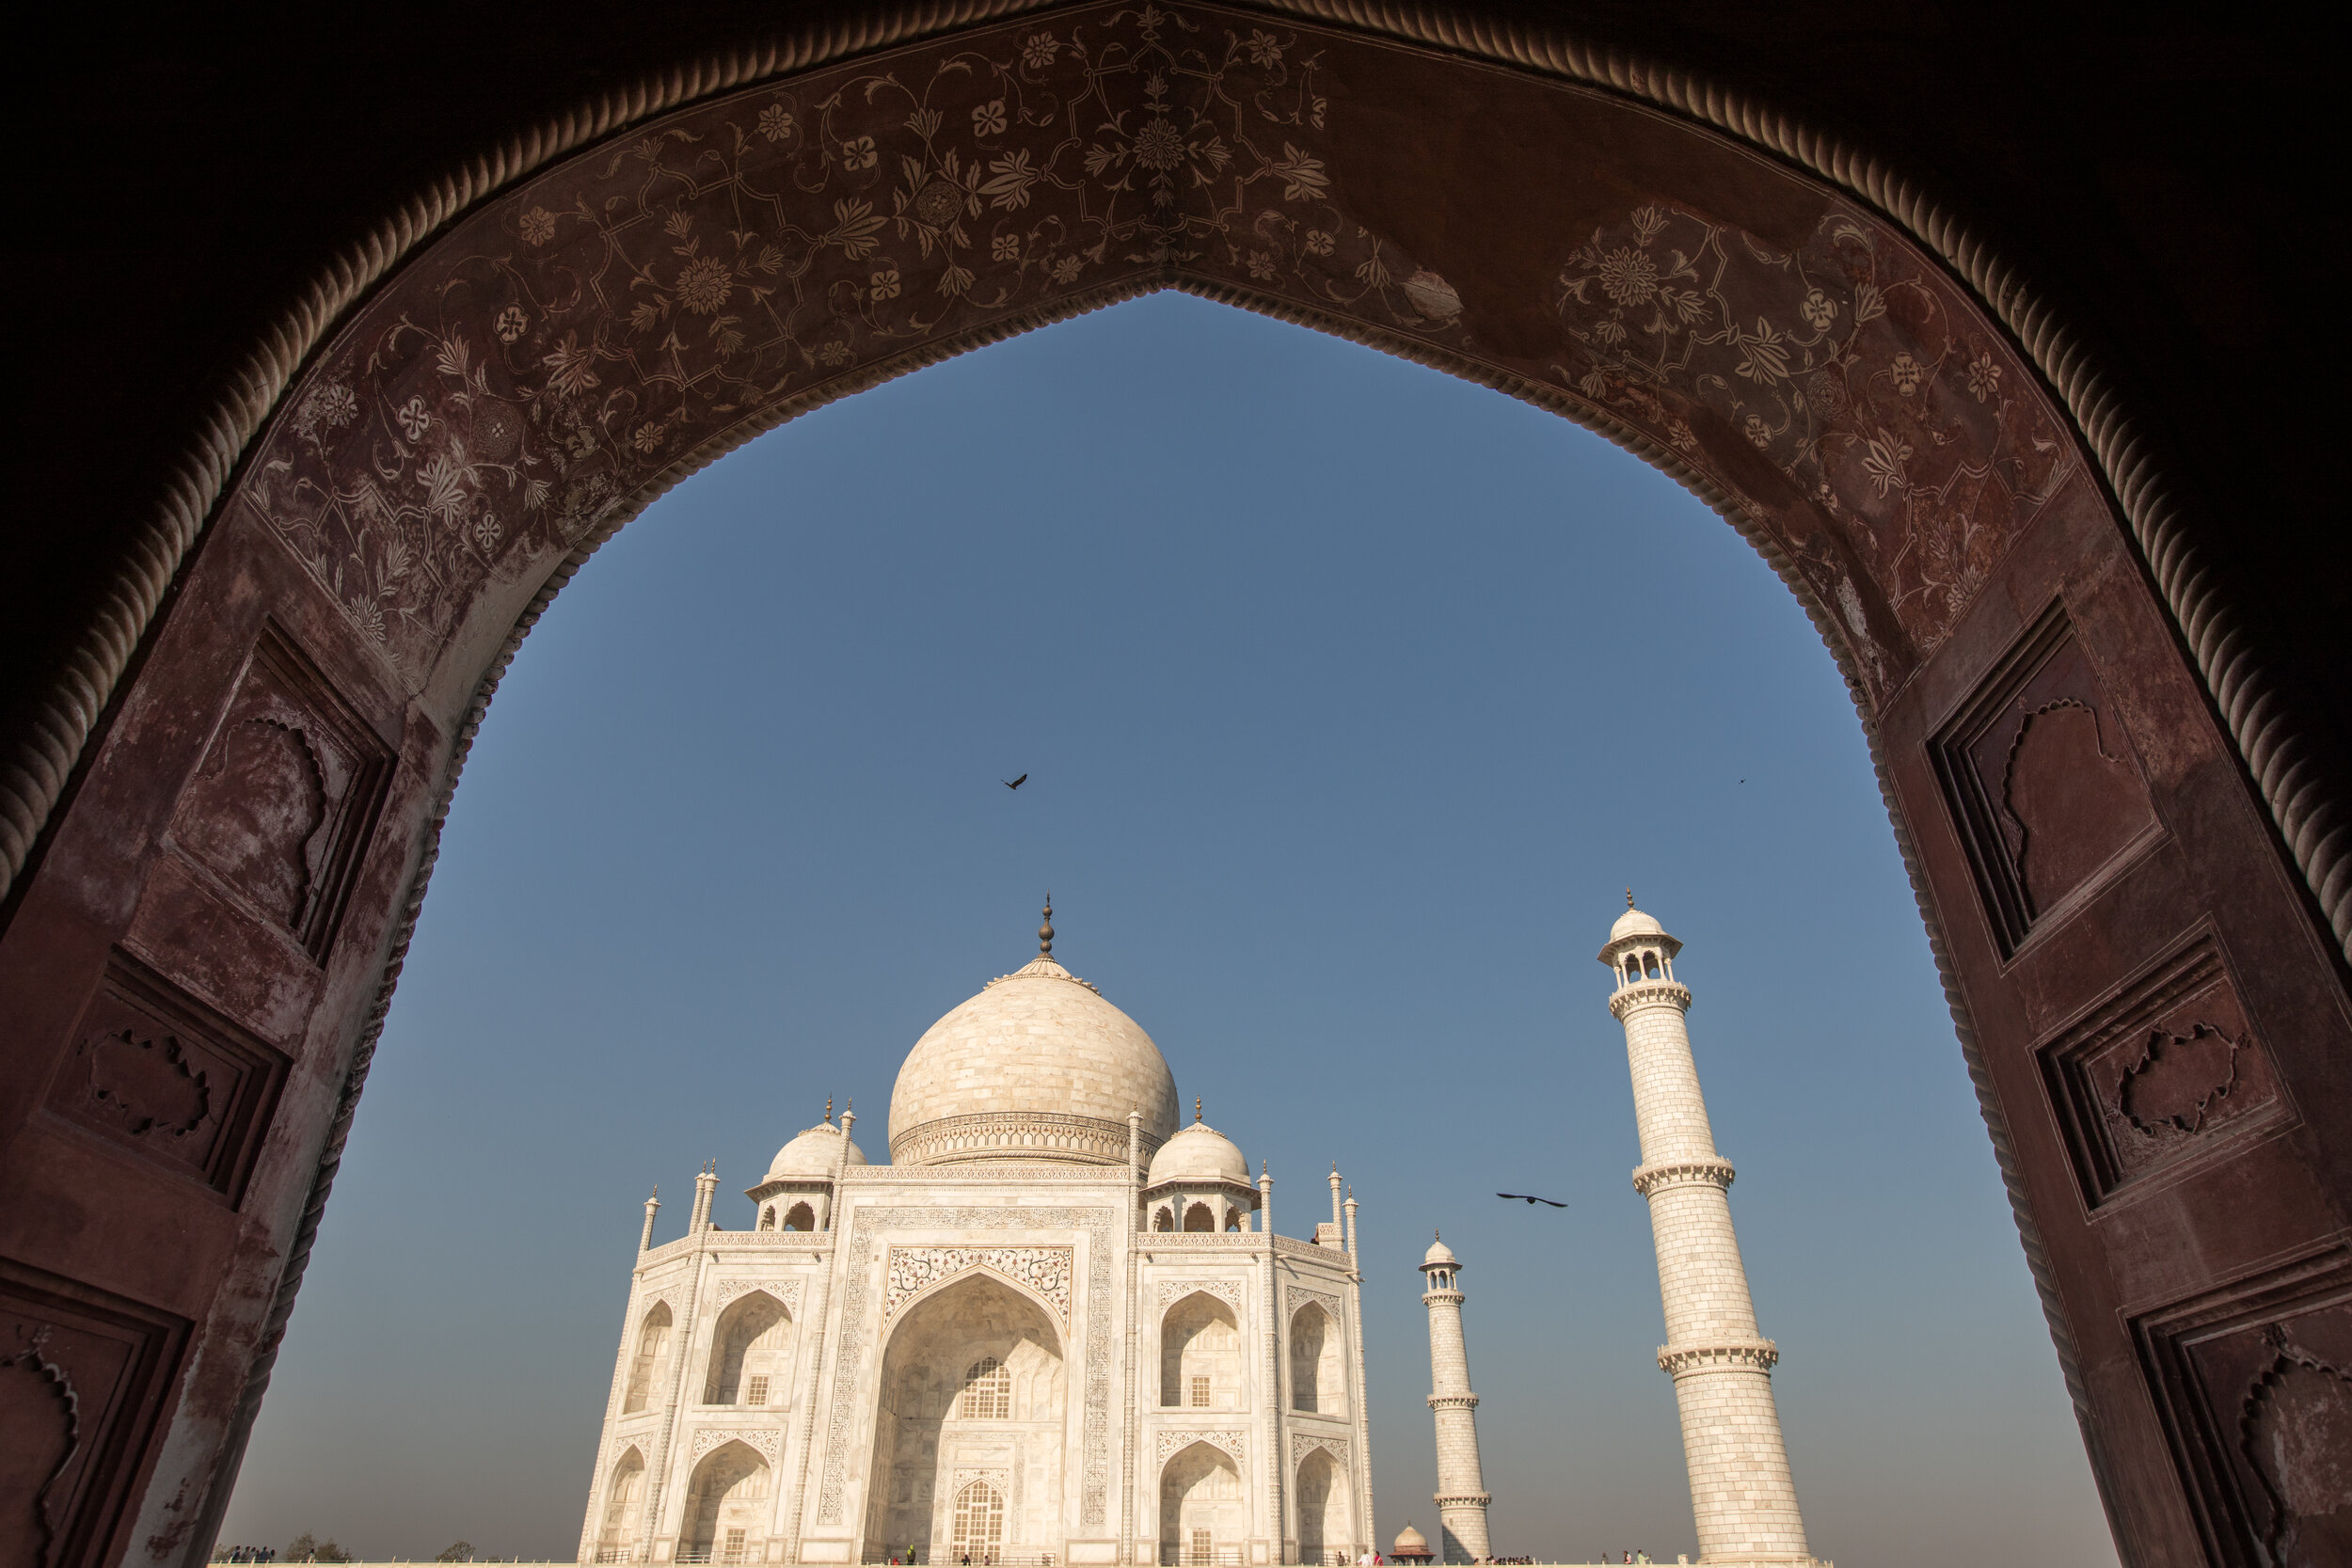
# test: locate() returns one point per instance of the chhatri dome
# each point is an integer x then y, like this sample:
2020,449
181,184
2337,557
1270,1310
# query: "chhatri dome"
1633,922
1198,1153
1037,1067
816,1153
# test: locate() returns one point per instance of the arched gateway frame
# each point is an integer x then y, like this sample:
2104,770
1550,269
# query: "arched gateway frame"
2126,876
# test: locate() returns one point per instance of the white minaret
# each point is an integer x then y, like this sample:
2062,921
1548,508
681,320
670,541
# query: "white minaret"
1462,1496
1740,1493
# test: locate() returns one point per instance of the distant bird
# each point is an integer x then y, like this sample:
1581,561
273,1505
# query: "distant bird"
1014,783
1531,1200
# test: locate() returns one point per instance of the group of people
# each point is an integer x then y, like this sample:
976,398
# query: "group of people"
246,1554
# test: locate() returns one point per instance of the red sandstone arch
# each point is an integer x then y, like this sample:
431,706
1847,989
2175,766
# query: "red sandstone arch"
197,966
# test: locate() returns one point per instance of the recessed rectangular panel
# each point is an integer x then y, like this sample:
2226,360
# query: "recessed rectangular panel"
2167,1071
281,807
2255,1383
157,1072
83,1376
2043,783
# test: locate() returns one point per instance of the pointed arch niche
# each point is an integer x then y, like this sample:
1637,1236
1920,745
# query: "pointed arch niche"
1326,1531
1201,1354
973,1381
650,1360
1204,1510
1317,1381
751,1352
465,409
624,1504
728,1506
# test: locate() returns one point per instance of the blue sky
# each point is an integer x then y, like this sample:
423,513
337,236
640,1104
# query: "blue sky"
1351,698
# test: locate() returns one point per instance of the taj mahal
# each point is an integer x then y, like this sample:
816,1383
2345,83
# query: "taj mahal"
1058,1325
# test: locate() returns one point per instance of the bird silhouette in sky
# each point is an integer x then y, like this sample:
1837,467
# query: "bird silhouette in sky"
1530,1200
1014,783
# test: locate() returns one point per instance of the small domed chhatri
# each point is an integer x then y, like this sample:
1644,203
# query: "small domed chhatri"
817,1151
1199,1153
1633,922
1054,1328
1410,1546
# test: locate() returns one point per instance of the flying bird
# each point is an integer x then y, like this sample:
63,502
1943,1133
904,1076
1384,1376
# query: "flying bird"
1531,1200
1014,783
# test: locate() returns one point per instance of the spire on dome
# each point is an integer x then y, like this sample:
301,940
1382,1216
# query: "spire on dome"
1196,1107
1045,932
1629,899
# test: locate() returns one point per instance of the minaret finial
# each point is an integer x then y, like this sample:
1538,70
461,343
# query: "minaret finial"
1629,899
1045,932
1196,1107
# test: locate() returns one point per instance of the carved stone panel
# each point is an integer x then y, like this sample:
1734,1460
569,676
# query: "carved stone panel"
1305,1443
280,809
2042,781
157,1072
785,1292
1234,1442
2255,1382
766,1440
82,1381
1230,1291
1296,1297
913,1270
2164,1072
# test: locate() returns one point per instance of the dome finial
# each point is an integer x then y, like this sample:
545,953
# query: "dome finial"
829,1108
1045,932
1629,899
1196,1107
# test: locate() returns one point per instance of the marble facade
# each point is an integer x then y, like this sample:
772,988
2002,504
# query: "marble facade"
1056,1328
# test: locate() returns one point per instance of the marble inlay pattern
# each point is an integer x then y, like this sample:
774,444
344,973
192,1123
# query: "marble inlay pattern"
555,360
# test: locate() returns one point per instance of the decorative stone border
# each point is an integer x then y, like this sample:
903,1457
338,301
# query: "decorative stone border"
1756,1355
1683,1173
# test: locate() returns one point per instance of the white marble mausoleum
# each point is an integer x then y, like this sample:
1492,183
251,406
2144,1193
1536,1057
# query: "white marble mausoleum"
1056,1327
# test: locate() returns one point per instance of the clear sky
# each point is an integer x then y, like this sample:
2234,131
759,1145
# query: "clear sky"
1351,697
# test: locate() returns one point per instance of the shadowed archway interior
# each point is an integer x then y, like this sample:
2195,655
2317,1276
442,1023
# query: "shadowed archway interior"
225,902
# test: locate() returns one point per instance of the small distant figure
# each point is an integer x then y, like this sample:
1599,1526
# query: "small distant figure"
1530,1199
1014,783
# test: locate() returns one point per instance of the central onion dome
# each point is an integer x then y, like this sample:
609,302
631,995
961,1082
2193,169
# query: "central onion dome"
1035,1066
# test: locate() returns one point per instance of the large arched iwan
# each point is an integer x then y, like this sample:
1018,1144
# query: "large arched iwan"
197,966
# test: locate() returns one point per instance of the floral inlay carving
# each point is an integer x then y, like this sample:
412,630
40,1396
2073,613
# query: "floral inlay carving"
1298,1296
787,1291
1229,1291
1305,1443
731,261
1044,1272
1843,364
1234,1443
766,1440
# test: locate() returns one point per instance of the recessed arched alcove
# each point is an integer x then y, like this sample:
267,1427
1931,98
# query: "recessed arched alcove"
1767,318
